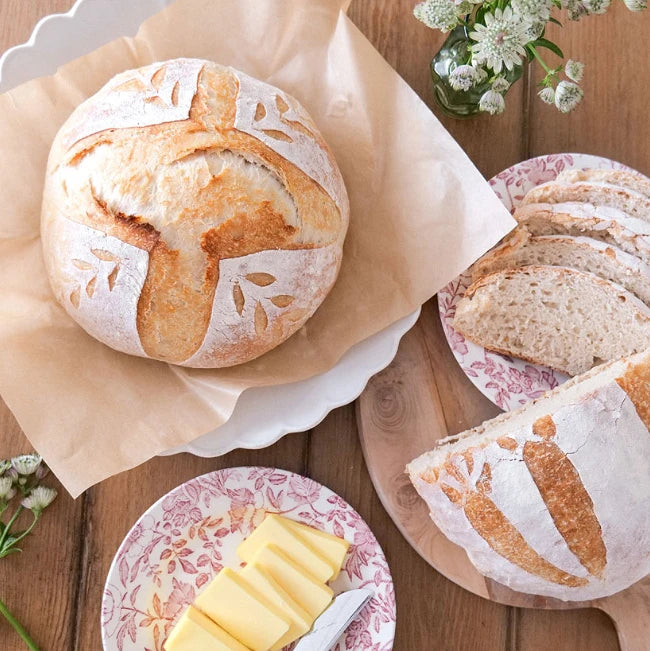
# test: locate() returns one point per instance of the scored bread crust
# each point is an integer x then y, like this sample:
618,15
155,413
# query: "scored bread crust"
630,234
582,253
526,495
489,315
596,192
220,187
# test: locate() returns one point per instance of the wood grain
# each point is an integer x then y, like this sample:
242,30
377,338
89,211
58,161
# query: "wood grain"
55,586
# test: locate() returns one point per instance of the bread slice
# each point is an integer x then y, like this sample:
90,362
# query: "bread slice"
552,499
559,317
629,179
582,253
608,225
596,192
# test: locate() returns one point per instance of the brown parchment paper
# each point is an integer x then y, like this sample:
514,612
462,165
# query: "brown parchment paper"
420,214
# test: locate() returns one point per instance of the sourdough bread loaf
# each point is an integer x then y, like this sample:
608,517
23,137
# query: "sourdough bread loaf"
192,214
581,253
552,499
559,317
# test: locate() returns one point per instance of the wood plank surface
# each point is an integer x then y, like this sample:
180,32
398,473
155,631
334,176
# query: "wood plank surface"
55,586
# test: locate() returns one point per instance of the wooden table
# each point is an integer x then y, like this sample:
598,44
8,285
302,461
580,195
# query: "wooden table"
55,587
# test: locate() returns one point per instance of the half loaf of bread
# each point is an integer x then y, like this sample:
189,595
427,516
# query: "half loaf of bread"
582,253
559,317
629,179
552,499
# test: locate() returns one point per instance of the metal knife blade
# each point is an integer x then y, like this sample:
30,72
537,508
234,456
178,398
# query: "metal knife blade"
329,626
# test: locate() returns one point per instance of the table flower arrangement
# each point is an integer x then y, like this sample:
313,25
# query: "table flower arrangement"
489,43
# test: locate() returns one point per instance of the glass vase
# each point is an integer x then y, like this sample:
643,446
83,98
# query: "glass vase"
455,51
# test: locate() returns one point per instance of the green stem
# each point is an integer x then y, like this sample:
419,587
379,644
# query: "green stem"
27,531
18,628
536,54
14,517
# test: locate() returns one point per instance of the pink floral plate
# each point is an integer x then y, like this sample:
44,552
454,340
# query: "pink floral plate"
186,537
506,381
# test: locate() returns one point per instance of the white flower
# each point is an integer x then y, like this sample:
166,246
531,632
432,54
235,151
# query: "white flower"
481,74
26,464
438,14
636,5
492,102
535,30
596,6
39,498
547,95
574,70
500,85
5,464
567,96
7,490
575,9
533,10
463,77
501,40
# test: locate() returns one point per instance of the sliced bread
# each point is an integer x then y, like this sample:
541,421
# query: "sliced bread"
582,253
599,193
623,178
559,317
608,225
552,499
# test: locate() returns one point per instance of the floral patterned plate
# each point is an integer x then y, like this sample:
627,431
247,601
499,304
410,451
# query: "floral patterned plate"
186,537
506,381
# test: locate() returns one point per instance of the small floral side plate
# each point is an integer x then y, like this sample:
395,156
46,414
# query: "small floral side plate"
186,537
509,382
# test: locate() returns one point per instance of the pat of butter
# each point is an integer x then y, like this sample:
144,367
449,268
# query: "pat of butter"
330,547
244,613
275,530
261,581
313,595
196,632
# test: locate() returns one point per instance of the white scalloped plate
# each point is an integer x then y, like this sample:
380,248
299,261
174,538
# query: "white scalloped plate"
506,381
262,415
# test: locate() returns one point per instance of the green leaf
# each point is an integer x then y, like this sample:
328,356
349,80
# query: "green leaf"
555,21
549,45
8,552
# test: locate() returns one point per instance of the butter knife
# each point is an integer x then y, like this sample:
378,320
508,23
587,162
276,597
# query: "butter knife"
330,625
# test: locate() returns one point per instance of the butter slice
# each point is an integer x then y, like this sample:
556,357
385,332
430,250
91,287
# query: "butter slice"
330,547
196,632
244,613
313,595
260,580
275,530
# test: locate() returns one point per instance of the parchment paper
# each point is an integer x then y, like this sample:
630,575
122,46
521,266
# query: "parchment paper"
420,214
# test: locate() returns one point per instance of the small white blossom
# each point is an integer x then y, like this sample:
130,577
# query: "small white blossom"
575,9
535,30
500,42
7,490
5,464
492,102
481,74
596,6
547,95
533,10
567,96
26,464
574,70
636,5
39,498
437,14
463,77
500,85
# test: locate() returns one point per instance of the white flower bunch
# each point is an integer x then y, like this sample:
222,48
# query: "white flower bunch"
502,35
21,476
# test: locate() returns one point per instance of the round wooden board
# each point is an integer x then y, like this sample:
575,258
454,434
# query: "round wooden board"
424,396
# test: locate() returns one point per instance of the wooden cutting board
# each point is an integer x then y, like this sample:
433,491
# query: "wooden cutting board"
424,396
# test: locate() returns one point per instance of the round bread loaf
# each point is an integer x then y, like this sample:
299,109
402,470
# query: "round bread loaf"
192,214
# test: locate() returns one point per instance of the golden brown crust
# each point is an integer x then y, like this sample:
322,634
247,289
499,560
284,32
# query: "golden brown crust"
567,500
636,383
